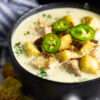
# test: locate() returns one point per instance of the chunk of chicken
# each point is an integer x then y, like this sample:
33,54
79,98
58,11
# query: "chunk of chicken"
73,66
67,55
87,48
96,53
40,62
51,60
42,22
97,36
43,27
95,23
47,29
43,62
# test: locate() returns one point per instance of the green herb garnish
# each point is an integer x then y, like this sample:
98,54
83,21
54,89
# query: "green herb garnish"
84,79
49,16
46,15
34,23
18,48
27,33
42,73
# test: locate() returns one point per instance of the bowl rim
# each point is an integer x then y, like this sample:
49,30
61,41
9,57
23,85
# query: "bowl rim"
39,9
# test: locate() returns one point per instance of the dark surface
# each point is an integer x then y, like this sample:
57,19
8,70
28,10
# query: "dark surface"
49,1
92,3
79,1
48,90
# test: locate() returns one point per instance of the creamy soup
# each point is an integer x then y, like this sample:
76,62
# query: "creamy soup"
59,44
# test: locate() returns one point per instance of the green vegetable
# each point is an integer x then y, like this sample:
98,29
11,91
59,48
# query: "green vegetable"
18,48
44,15
62,25
82,32
27,33
42,73
51,43
47,15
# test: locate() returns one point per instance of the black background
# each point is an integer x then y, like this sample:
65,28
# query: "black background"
91,2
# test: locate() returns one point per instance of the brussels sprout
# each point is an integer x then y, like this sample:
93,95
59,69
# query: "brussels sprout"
89,64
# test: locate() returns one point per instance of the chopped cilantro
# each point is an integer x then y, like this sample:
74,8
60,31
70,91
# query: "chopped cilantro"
27,33
18,48
17,44
42,72
46,15
84,79
49,16
34,23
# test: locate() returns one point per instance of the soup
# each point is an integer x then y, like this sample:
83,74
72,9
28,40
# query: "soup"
61,44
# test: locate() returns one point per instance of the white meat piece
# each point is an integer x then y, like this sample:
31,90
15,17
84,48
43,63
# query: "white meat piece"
43,27
42,22
40,62
73,66
97,35
47,29
96,53
95,23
